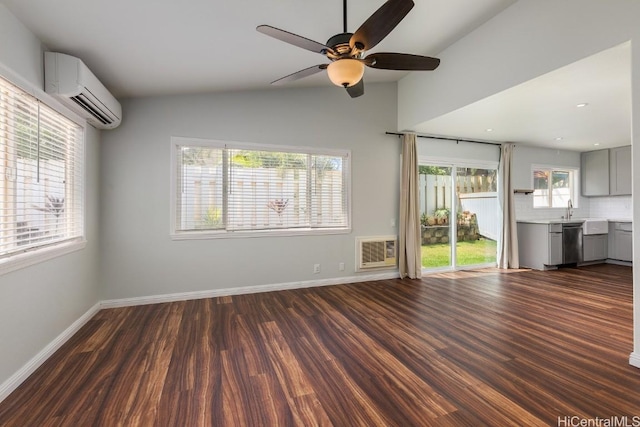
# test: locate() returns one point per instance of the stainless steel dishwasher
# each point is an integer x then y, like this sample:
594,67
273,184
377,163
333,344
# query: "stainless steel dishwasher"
571,243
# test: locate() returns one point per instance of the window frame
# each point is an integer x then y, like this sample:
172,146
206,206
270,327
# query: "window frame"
177,234
574,184
36,255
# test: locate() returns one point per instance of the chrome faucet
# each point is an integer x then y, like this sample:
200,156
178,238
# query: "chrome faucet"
569,209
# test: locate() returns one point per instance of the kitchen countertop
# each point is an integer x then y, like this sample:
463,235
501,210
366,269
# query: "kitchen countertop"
551,221
570,221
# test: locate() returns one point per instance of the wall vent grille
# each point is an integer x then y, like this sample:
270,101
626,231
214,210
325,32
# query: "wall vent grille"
376,252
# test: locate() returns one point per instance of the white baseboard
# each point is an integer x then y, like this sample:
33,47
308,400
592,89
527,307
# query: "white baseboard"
184,296
23,373
634,359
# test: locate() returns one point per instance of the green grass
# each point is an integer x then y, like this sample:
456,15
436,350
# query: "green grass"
468,253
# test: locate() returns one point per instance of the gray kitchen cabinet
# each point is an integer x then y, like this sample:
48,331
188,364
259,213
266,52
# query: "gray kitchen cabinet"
539,245
612,240
555,249
621,241
620,171
594,247
595,173
624,246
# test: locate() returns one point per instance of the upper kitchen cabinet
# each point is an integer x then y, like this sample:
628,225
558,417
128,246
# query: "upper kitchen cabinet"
606,172
595,173
620,171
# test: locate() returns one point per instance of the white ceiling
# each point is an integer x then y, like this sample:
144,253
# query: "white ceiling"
543,109
154,47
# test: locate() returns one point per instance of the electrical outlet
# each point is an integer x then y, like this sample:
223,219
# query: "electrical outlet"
316,268
341,266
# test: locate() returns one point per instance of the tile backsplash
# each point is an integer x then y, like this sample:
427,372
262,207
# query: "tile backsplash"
618,207
525,210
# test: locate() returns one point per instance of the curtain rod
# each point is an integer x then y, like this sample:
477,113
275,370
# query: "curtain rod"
449,139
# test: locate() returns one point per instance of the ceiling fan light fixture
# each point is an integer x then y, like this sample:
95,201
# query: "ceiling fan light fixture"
345,72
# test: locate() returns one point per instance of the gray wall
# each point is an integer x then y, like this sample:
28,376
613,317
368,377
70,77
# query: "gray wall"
38,303
138,258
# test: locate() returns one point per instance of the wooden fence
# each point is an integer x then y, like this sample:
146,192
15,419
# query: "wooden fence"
261,198
31,195
477,194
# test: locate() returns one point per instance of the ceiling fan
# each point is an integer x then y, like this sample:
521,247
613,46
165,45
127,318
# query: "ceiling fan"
346,50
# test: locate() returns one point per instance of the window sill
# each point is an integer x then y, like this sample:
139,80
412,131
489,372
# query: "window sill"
37,256
204,235
554,207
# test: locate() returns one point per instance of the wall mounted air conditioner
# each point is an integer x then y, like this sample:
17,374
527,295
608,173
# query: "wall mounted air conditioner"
376,252
70,81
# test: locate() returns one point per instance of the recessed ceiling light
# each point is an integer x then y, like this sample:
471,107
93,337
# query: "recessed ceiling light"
559,138
584,104
489,130
596,144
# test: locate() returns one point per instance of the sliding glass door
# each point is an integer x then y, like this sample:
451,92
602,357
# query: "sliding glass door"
476,217
459,216
435,216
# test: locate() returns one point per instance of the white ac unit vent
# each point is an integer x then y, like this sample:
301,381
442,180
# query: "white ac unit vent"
376,252
70,81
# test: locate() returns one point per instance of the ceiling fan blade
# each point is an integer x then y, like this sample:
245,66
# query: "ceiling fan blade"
380,24
300,74
401,61
293,39
357,89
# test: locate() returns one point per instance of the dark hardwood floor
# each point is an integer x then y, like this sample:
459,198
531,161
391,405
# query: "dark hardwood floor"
478,348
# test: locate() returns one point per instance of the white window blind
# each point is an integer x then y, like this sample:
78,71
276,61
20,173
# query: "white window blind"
226,189
41,182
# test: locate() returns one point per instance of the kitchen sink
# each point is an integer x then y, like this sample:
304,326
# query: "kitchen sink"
595,226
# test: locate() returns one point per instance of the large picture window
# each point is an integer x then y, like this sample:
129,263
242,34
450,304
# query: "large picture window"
554,187
221,188
41,174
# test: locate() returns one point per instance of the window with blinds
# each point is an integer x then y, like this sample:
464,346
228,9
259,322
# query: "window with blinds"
222,187
41,181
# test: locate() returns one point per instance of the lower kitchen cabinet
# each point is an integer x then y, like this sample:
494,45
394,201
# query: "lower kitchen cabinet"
624,245
555,249
621,241
595,247
539,245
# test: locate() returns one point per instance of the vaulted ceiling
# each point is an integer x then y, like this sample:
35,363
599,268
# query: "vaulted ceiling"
151,47
154,47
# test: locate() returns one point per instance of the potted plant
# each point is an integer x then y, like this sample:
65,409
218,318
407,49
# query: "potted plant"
424,219
442,215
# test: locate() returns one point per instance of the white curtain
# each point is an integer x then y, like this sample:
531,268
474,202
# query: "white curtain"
410,263
508,245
